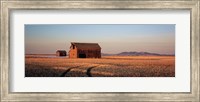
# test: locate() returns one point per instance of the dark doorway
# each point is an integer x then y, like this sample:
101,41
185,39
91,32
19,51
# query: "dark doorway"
82,56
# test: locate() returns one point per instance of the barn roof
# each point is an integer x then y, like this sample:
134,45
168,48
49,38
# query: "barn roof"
86,45
60,51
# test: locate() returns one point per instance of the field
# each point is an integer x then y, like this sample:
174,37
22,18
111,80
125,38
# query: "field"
107,66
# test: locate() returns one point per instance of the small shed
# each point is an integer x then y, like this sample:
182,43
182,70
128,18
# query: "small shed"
61,53
84,50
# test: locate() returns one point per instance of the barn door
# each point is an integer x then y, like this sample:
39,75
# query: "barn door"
82,56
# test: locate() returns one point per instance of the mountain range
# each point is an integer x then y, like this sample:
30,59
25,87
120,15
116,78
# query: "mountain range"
136,54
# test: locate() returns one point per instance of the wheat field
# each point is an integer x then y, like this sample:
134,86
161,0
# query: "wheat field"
107,66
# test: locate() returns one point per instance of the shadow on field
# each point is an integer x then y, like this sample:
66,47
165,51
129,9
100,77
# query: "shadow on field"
36,70
41,71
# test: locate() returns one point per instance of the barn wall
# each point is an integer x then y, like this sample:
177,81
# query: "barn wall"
90,53
57,54
99,54
73,53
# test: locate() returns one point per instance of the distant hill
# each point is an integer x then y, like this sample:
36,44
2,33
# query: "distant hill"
136,54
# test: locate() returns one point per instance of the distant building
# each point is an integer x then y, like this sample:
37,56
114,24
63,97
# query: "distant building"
61,53
84,50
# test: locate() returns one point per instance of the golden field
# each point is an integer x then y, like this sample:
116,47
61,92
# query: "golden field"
107,66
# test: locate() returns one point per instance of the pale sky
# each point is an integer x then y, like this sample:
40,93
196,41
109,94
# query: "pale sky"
113,38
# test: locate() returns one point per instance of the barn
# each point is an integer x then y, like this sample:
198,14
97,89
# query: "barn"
84,50
61,53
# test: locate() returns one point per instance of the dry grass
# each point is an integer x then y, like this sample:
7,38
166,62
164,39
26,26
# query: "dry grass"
109,66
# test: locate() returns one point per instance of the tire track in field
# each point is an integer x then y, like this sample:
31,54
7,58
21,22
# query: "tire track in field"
89,71
68,70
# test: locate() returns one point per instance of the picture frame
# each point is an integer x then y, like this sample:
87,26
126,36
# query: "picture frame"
7,6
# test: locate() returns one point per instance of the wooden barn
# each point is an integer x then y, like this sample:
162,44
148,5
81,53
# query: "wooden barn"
61,53
84,50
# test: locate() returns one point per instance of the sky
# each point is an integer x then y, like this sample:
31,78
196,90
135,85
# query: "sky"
113,38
